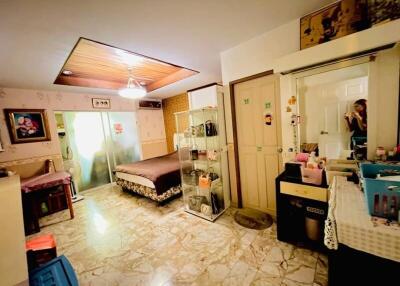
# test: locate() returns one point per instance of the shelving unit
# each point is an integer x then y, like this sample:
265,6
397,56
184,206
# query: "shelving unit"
202,152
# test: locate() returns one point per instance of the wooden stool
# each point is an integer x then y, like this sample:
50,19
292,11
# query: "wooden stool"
40,250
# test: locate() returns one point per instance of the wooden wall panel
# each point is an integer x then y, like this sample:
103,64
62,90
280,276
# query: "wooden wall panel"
170,106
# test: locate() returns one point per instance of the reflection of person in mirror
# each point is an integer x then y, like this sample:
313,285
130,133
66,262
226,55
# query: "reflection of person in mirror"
357,120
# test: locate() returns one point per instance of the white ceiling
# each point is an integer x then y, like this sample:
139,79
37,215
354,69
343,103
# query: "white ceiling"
36,36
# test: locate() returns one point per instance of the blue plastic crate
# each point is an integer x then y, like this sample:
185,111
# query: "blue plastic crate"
57,272
381,196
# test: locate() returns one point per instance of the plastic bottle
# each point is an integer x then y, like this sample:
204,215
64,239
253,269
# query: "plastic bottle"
312,161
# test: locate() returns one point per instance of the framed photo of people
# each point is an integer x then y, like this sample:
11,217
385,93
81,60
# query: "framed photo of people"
27,125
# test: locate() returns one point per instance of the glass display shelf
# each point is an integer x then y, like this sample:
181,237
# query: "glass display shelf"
198,132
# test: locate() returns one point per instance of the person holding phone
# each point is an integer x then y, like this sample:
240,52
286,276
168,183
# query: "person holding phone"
357,120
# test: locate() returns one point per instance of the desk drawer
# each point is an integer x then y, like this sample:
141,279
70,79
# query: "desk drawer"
304,191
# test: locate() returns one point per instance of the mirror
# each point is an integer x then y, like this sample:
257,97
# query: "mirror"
333,112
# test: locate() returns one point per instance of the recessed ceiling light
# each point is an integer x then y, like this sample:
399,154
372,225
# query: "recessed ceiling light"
67,72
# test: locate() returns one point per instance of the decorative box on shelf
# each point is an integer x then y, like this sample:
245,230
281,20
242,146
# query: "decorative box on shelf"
203,161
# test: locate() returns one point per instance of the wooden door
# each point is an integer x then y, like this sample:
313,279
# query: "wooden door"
257,106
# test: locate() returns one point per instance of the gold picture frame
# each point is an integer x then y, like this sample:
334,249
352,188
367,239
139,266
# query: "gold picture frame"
334,21
27,125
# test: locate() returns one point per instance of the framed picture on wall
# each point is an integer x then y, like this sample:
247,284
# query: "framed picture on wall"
332,22
382,11
27,125
101,103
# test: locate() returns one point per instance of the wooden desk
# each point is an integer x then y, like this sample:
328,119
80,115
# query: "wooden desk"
32,186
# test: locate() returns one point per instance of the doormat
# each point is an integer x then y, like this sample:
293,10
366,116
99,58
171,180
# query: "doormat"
253,219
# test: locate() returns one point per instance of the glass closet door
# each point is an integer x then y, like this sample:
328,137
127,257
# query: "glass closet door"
87,141
122,137
98,141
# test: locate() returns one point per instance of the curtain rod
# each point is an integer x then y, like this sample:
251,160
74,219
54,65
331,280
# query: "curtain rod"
371,53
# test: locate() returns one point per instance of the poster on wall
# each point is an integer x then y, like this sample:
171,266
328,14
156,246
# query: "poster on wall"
27,125
382,11
332,22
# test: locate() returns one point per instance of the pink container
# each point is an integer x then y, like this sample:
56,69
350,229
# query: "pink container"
302,157
311,176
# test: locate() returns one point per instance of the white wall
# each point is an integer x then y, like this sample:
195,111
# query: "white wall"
64,101
258,54
383,103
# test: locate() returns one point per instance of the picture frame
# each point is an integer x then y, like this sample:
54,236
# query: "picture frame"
27,125
334,21
382,11
101,103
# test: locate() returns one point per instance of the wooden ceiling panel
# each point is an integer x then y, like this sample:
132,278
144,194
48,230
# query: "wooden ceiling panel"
94,64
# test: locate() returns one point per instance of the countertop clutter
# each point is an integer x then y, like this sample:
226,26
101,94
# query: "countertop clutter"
361,245
355,227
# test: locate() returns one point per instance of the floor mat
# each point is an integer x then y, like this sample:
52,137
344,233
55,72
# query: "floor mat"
253,219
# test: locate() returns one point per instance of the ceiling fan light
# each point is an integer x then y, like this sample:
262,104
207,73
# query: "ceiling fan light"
132,92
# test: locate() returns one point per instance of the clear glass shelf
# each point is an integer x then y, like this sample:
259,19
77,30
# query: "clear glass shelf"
189,124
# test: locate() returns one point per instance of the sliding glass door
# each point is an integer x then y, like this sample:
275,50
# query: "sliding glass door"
123,133
97,142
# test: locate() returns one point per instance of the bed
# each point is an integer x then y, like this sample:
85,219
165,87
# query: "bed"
157,178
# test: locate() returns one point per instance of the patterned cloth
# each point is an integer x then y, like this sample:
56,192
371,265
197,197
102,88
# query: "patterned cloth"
330,238
147,191
354,227
45,181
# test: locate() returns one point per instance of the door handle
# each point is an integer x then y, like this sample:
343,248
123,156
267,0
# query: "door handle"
280,150
324,132
259,148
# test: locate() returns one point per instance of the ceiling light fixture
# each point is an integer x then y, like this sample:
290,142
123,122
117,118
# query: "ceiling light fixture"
67,72
133,90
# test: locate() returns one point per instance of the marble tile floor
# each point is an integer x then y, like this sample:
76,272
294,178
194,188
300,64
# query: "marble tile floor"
122,239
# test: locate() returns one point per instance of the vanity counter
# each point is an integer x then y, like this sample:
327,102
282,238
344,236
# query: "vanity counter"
354,227
360,248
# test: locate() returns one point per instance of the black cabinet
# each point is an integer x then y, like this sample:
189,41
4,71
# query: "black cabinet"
301,212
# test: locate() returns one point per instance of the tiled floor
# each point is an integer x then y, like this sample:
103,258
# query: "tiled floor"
120,239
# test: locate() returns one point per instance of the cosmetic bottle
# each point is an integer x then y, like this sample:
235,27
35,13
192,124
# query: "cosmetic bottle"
393,203
376,204
384,205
